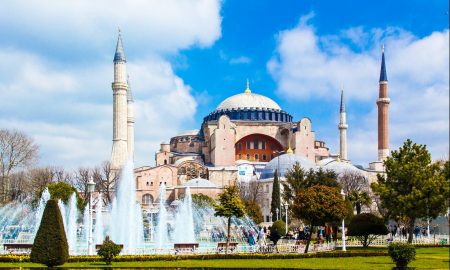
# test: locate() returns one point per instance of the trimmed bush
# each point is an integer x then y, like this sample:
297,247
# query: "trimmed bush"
50,244
280,226
366,227
109,250
402,254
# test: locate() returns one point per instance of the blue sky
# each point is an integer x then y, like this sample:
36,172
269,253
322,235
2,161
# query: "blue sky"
184,57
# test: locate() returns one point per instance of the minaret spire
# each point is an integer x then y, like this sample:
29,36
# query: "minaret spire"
342,129
383,112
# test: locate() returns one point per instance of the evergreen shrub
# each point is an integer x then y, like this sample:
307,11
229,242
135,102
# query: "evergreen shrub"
280,226
50,244
109,250
402,254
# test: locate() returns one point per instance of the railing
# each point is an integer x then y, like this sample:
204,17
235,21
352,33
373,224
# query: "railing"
384,240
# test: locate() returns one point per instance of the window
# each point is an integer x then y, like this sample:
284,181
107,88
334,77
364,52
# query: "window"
252,146
147,183
248,156
151,183
239,146
147,199
264,157
165,161
271,156
263,145
248,145
256,157
256,144
240,156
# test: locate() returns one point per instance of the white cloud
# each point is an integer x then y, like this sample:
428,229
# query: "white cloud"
56,71
162,26
311,67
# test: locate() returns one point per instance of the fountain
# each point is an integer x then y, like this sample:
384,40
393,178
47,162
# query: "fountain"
184,221
98,231
126,214
180,223
161,238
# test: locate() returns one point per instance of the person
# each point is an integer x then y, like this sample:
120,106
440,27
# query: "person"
274,235
251,237
328,233
262,237
301,234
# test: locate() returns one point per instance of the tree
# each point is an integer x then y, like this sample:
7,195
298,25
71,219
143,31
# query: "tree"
63,191
253,211
81,180
250,190
358,199
105,179
413,187
201,200
229,205
353,181
298,179
366,227
109,250
50,244
280,226
17,150
357,187
275,203
317,205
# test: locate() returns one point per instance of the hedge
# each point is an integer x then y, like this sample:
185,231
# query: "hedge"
131,258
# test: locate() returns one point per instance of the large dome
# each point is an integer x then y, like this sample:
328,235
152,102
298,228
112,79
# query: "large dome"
248,100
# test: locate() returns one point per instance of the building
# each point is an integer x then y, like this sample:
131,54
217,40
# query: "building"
247,137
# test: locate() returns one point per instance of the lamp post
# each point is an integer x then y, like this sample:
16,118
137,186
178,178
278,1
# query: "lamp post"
279,175
286,205
277,213
90,189
344,248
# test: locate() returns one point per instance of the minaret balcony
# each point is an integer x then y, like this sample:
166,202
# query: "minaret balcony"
383,100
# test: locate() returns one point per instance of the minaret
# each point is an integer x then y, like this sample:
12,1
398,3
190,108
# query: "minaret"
383,113
130,122
342,129
119,155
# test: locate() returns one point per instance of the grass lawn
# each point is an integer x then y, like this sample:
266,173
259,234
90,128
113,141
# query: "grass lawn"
426,258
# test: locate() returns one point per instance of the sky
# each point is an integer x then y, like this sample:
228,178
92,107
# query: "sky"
185,57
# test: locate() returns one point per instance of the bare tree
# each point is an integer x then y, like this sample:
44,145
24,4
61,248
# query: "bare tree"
356,186
105,179
39,178
17,150
353,181
250,190
81,179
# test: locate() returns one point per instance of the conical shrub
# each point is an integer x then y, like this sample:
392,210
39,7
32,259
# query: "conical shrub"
50,244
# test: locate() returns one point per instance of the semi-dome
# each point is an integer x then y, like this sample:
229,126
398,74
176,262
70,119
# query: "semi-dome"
248,100
341,167
284,163
199,183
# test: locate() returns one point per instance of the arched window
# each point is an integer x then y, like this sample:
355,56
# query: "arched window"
165,161
248,156
264,157
147,199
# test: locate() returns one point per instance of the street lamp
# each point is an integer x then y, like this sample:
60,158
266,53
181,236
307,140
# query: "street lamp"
90,189
277,213
343,224
286,205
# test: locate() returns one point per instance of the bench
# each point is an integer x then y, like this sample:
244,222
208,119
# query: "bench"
221,246
18,248
98,246
186,247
